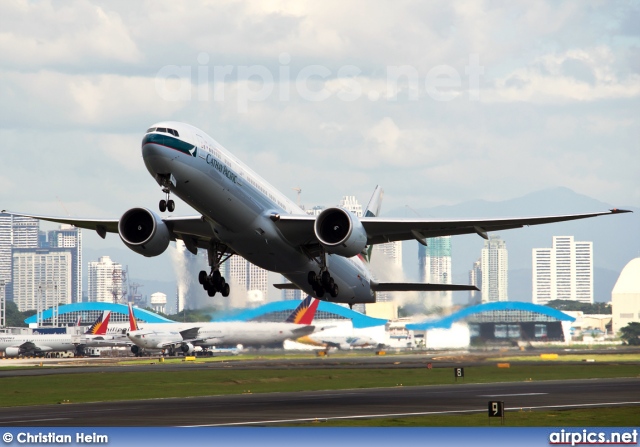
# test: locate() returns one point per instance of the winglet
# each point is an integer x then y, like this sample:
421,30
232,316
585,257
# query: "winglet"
305,312
133,324
618,211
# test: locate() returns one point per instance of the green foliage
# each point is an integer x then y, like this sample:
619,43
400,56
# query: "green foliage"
590,309
15,318
631,333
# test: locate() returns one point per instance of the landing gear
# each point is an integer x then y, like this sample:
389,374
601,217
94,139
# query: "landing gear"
215,282
323,282
166,181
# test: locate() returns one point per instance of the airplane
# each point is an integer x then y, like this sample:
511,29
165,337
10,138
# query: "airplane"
336,341
39,344
239,213
187,337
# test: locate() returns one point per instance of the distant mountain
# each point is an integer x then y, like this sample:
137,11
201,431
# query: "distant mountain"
616,239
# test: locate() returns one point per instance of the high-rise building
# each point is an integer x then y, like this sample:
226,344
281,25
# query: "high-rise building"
42,278
435,267
104,281
475,279
494,266
252,279
392,253
563,272
15,232
70,238
351,204
291,294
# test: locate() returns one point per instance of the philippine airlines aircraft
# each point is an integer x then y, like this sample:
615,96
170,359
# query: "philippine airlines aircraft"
170,337
39,344
239,213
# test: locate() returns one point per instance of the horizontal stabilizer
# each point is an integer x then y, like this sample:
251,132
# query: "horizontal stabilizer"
420,287
286,286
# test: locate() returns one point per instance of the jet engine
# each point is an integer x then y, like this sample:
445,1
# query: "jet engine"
135,350
187,348
144,232
12,351
340,232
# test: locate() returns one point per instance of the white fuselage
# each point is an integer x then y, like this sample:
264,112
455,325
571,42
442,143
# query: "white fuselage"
232,333
238,204
41,343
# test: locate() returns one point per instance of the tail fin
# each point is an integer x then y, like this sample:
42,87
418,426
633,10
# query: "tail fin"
133,323
372,210
102,328
93,329
304,313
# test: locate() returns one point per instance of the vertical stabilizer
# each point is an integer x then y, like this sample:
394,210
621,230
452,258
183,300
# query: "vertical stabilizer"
372,210
305,312
102,329
133,324
93,329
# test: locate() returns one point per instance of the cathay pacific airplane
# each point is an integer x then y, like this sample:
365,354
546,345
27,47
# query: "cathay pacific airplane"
239,213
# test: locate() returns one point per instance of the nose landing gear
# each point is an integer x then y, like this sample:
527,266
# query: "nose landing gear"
166,181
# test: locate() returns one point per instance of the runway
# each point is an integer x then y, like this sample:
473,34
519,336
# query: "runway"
289,408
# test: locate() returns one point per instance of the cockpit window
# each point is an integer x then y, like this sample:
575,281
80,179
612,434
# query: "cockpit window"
174,132
151,129
161,129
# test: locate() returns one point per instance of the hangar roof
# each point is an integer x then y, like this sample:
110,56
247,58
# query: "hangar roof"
276,311
498,312
74,308
280,310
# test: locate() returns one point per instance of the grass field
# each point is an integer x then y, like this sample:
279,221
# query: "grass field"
116,385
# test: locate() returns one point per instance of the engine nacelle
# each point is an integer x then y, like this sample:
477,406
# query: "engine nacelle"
135,349
340,232
144,232
187,348
12,351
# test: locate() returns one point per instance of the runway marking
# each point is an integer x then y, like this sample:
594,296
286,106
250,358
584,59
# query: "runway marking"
506,395
425,413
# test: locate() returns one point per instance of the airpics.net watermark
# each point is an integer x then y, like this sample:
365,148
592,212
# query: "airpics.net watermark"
255,83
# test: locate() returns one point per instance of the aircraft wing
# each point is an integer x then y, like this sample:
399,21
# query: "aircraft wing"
299,229
193,230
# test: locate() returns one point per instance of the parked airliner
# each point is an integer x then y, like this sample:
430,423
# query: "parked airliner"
171,337
239,213
39,344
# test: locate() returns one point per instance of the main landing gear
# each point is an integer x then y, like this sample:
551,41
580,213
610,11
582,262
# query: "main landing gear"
214,282
323,282
166,181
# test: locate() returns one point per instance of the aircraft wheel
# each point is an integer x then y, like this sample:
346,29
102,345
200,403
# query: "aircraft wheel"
311,277
211,292
171,205
225,290
163,206
326,278
334,290
202,277
319,292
